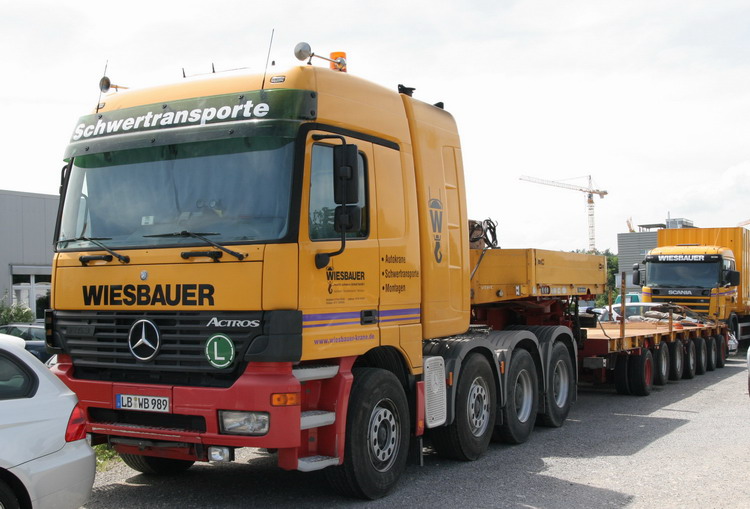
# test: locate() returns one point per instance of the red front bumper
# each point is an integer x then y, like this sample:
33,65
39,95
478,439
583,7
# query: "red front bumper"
251,392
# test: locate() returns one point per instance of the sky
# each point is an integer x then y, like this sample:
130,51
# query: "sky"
649,97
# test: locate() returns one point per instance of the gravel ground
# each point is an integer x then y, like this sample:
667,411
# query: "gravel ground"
684,446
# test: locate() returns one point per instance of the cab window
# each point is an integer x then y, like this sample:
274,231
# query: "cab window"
322,204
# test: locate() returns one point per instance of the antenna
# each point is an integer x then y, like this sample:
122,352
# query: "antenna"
268,57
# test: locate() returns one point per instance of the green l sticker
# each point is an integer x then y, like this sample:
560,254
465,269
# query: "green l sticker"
220,351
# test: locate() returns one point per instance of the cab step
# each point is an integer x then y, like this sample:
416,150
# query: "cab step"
311,463
315,372
316,419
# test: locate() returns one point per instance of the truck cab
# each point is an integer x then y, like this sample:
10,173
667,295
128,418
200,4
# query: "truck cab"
702,278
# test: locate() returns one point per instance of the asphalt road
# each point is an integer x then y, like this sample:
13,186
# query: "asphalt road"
686,445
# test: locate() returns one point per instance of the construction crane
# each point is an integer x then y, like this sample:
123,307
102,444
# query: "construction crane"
590,192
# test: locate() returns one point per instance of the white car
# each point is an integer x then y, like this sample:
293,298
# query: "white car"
45,459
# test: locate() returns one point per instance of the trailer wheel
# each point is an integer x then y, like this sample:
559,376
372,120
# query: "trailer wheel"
641,373
153,465
721,350
677,360
710,353
561,386
691,360
700,355
661,363
521,403
468,436
621,374
377,436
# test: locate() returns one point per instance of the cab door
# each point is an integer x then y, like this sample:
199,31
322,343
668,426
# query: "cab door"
339,301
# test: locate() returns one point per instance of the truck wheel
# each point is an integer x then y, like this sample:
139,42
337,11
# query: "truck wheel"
641,373
677,360
521,402
721,350
710,353
621,375
468,436
700,355
8,499
155,466
690,360
561,386
377,436
661,363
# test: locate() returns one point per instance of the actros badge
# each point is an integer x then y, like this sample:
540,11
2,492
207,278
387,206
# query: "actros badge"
143,340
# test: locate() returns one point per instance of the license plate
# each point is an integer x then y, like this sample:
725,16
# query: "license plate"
144,403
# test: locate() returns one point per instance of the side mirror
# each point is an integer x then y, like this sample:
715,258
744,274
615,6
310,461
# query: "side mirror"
347,219
636,275
345,174
732,278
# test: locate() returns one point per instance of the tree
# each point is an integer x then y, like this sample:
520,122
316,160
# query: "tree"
14,313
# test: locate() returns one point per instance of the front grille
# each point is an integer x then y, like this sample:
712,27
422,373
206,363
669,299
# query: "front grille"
194,423
700,305
97,341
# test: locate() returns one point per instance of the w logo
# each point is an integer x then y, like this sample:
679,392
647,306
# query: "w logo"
436,220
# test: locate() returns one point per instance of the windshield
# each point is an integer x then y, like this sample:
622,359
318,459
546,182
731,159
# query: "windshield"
235,190
682,274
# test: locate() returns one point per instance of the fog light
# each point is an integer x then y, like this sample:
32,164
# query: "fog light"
219,453
243,423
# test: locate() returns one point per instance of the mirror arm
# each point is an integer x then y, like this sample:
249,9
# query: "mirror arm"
323,259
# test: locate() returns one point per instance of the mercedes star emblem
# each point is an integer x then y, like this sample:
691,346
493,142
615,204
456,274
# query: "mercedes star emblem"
143,340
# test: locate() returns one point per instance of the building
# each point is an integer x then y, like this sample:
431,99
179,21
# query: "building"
27,231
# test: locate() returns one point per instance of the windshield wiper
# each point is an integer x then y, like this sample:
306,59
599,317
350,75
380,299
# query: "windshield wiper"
200,236
95,240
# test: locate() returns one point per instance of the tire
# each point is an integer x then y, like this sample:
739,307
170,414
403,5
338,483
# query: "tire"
661,364
700,355
377,436
641,373
677,360
721,350
8,499
621,375
561,386
691,360
521,404
468,436
152,465
710,353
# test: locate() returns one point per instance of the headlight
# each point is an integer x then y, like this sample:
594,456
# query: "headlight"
244,423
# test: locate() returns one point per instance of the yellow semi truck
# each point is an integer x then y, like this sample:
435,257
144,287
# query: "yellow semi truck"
282,261
705,269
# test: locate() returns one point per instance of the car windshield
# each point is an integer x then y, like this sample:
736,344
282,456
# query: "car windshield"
683,274
235,190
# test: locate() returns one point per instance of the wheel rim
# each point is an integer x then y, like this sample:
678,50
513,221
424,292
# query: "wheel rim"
712,353
678,357
383,435
560,383
691,358
648,370
478,408
522,396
